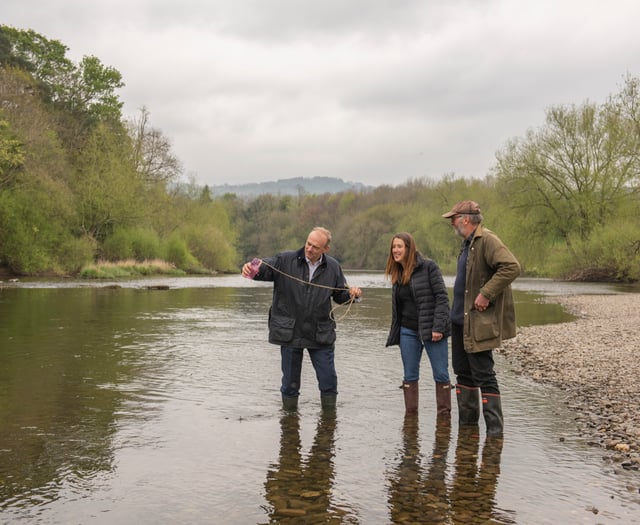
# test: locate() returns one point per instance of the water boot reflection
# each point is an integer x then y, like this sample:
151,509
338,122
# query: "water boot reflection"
299,487
474,485
436,482
418,490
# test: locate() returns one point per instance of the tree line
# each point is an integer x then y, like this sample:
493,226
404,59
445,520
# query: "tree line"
80,183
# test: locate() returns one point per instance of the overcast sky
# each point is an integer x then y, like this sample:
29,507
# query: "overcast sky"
364,90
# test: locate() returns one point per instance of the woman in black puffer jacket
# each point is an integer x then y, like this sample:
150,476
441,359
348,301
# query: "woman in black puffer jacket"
420,320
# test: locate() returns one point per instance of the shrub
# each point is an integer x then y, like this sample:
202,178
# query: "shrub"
140,244
611,253
177,252
74,253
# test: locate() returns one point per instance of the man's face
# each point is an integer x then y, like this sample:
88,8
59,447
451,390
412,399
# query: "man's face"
460,224
315,246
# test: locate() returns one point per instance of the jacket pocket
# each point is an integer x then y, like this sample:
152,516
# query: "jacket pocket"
326,333
484,325
281,328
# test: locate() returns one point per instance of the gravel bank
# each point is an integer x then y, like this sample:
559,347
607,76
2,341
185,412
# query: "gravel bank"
596,361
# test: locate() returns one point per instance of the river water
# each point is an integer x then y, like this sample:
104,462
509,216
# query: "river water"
136,404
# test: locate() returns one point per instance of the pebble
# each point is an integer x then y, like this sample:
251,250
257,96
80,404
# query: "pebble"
595,360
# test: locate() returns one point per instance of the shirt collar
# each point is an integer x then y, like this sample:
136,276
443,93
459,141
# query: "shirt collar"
313,264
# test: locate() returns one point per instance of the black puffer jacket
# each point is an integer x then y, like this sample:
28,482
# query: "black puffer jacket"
300,312
432,302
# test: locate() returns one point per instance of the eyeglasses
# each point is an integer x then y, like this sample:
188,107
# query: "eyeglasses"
455,218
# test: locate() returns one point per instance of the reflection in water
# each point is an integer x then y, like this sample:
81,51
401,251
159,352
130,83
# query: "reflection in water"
57,405
111,399
298,487
473,493
74,370
422,493
416,496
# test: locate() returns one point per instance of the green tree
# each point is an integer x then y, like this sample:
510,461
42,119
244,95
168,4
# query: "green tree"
37,214
43,58
12,154
108,192
83,94
570,176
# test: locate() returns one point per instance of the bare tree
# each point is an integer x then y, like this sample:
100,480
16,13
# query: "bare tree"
153,158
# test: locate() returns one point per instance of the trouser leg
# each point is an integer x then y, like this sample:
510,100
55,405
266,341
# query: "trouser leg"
323,361
291,362
472,368
411,353
467,394
438,353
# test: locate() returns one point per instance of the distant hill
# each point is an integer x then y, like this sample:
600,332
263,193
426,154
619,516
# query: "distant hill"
294,186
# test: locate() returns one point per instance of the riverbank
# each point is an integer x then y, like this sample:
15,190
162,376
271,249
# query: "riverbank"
595,359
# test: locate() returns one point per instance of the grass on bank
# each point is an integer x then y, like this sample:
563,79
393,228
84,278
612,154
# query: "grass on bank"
129,268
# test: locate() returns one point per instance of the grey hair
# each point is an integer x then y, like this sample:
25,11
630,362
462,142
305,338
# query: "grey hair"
475,218
324,232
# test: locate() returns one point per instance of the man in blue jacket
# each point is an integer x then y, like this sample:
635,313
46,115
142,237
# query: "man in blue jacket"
304,282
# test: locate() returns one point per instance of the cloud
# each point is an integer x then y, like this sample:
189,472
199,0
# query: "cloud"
374,92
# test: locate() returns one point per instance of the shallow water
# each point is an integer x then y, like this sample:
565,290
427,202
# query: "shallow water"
138,405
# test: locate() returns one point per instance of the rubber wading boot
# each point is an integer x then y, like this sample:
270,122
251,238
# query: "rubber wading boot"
492,411
328,402
443,400
410,389
290,403
468,398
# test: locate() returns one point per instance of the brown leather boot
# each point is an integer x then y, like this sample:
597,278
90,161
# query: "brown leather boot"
443,400
410,390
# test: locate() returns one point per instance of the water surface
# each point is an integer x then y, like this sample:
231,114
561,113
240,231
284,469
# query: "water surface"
140,405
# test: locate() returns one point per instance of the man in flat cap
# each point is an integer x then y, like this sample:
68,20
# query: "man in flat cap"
482,315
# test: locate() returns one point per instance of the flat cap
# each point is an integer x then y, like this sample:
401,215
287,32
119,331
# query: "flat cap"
463,208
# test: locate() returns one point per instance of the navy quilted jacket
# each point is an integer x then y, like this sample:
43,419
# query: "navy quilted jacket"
432,302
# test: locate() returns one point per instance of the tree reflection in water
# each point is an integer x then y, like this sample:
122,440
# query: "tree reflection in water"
299,487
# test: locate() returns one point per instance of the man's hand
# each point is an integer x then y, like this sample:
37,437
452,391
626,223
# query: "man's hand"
355,292
481,303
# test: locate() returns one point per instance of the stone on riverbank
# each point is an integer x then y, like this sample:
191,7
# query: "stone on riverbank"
595,359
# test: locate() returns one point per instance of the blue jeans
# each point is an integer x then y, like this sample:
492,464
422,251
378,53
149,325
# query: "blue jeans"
472,369
411,352
322,360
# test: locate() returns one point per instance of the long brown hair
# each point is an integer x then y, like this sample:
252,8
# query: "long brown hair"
397,272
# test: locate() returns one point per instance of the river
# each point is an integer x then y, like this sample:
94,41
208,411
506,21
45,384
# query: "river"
156,401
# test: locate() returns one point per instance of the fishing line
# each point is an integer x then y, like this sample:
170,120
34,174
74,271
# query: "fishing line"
309,283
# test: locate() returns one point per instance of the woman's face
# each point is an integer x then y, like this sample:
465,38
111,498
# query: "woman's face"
398,250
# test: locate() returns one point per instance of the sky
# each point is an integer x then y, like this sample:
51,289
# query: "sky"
369,91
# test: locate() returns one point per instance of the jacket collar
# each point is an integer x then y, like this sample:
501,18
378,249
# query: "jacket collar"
302,258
